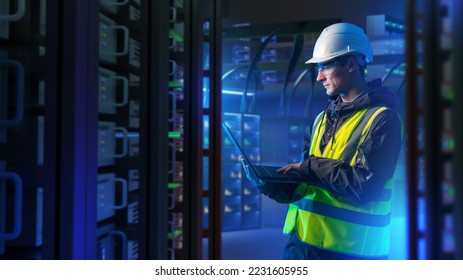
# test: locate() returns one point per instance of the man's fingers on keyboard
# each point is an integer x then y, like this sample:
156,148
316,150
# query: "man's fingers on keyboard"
284,169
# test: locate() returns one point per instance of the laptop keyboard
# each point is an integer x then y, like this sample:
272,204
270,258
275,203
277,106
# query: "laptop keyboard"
271,171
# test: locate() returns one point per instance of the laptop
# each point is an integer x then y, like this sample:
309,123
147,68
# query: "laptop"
265,173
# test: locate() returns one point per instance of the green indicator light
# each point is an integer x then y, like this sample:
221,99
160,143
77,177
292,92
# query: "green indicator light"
174,185
175,234
173,84
175,134
175,35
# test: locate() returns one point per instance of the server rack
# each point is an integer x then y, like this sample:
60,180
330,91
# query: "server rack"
197,25
251,204
122,88
91,150
241,199
29,147
434,157
232,175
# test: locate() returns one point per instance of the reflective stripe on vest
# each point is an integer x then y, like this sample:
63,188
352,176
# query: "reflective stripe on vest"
323,219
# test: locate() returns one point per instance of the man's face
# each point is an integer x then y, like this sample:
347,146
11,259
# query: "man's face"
333,76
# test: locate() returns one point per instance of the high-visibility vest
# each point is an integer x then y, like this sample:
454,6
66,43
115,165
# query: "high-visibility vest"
323,219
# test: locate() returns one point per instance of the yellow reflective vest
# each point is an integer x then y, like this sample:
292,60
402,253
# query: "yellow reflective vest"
325,220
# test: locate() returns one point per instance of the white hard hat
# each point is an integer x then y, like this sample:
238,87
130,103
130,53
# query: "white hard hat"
340,39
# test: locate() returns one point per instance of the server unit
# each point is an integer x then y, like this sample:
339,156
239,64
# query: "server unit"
241,199
95,149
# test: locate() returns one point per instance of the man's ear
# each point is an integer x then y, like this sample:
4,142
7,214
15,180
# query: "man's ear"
351,64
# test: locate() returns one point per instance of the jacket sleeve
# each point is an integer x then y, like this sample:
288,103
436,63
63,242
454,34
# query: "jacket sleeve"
375,163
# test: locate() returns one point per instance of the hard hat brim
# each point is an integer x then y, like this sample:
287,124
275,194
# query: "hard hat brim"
315,60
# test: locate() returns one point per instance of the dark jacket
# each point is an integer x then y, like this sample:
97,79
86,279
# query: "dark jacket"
376,159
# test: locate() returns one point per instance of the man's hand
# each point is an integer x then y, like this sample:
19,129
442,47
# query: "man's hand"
250,174
291,166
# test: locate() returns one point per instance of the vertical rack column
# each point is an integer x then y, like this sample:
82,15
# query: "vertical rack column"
155,114
432,125
194,128
412,116
212,146
77,130
433,158
456,18
447,132
177,206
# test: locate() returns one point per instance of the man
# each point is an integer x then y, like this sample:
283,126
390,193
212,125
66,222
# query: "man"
351,151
